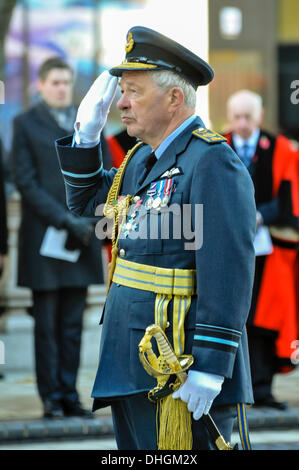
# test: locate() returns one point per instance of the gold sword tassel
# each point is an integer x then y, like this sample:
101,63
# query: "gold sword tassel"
174,417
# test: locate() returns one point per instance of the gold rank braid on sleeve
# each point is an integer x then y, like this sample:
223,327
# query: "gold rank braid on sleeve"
117,209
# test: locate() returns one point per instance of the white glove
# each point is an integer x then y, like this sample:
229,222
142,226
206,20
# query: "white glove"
94,108
199,392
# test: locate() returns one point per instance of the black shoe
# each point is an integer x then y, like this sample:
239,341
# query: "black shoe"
53,409
271,403
75,409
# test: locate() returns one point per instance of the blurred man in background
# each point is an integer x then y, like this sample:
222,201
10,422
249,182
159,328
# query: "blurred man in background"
271,162
59,286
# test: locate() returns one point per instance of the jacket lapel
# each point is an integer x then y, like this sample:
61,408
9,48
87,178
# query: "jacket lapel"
168,158
45,116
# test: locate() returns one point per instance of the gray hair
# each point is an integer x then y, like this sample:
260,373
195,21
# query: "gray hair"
251,99
166,79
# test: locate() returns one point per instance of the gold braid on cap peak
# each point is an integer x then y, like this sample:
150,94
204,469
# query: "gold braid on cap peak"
117,208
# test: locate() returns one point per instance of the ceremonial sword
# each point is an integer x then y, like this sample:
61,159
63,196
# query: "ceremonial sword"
178,367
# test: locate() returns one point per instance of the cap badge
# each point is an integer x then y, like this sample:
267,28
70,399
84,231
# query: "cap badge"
130,43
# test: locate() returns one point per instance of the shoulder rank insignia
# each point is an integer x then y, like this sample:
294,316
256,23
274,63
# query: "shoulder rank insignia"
209,136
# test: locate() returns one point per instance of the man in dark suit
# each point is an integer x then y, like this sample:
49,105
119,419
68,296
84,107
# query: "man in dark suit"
196,289
59,287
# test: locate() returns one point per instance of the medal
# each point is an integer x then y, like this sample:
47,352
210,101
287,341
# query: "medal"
158,199
156,203
167,191
149,203
138,203
150,192
130,225
164,201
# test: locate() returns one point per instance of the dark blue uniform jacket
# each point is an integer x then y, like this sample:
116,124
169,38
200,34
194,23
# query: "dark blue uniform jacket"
209,176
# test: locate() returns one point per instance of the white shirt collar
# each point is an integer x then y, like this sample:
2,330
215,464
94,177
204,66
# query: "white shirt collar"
166,142
251,141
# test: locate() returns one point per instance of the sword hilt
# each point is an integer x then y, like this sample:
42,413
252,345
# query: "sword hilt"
174,364
169,355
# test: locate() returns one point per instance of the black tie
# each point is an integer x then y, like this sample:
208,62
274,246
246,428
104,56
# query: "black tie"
150,161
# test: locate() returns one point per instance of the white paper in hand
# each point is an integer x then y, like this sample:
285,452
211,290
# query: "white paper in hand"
262,242
53,246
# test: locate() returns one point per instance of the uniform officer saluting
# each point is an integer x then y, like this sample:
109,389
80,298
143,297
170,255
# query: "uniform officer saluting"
196,289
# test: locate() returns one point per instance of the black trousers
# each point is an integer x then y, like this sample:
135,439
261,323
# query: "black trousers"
134,421
58,319
262,363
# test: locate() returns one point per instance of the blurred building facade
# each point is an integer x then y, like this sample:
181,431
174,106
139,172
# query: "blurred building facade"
255,45
251,45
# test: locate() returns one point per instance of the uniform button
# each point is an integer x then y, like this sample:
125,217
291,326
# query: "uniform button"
136,199
122,252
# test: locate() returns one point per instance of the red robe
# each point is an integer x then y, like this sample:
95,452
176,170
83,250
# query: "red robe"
275,174
119,145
